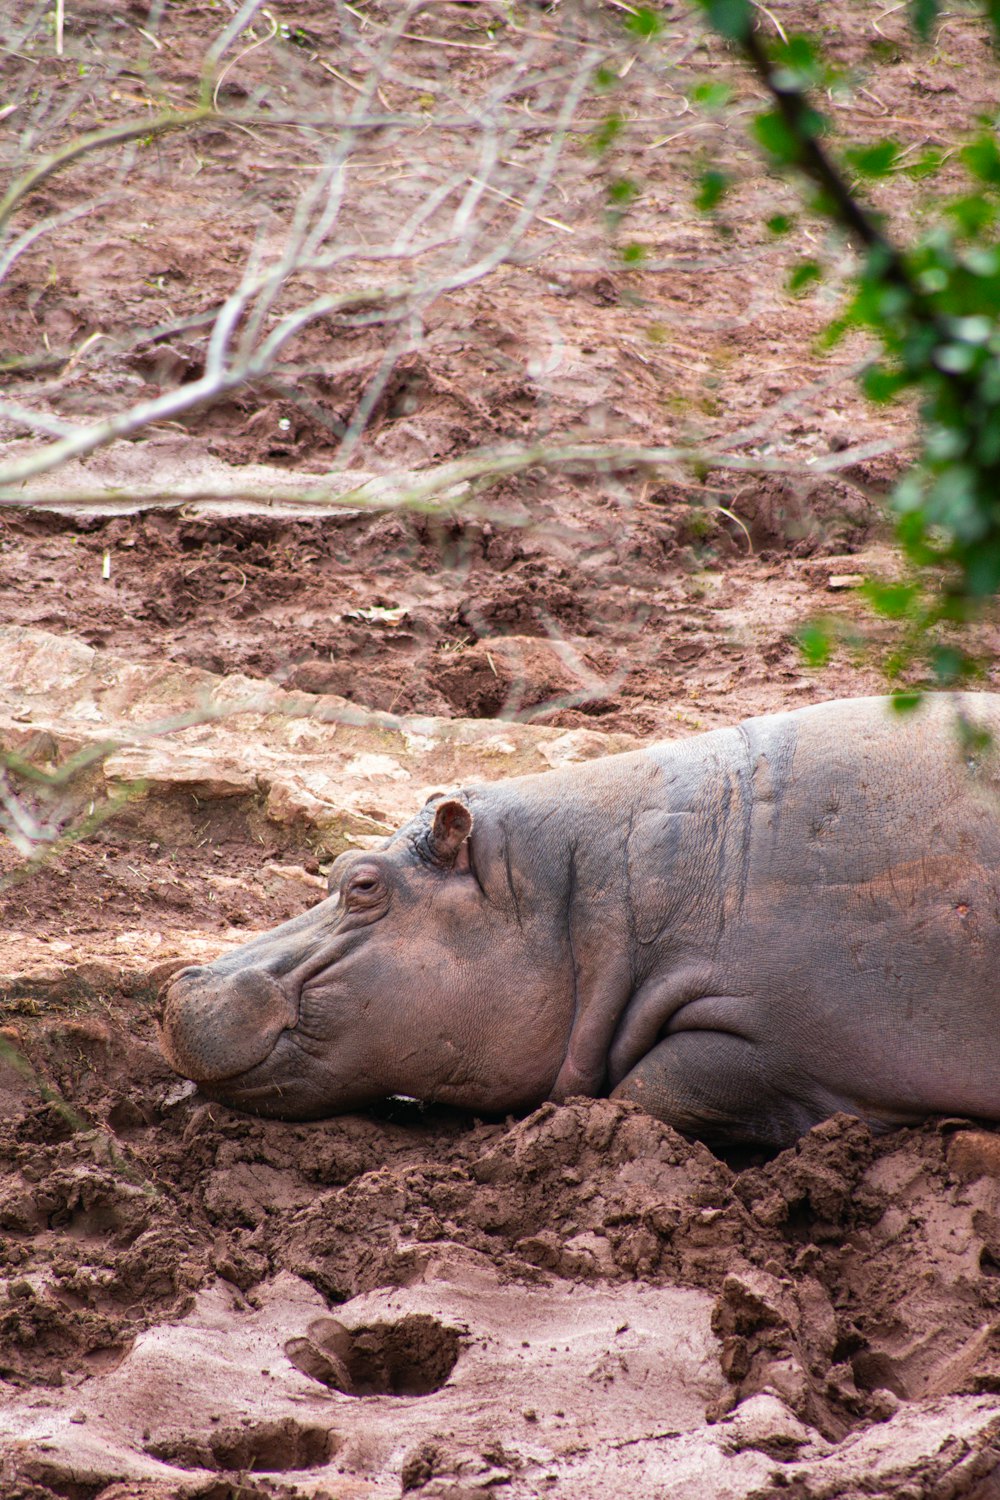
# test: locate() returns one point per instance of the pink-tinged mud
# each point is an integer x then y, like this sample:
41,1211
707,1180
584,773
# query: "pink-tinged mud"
579,1303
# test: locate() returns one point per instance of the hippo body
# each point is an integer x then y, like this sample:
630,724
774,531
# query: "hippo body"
745,932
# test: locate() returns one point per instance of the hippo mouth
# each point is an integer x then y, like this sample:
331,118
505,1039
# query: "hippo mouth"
217,1030
268,1077
239,1036
274,1088
225,1022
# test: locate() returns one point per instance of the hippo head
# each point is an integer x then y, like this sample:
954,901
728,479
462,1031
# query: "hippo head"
427,972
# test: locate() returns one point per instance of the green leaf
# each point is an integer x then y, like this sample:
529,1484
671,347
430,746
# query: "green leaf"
816,644
982,570
822,204
712,96
804,274
874,161
780,223
923,14
731,18
712,188
905,700
911,529
881,383
950,665
954,503
956,359
975,739
607,131
944,444
907,499
622,191
982,157
797,64
894,601
983,260
777,138
812,123
987,447
644,23
927,164
834,331
632,255
973,330
972,213
933,279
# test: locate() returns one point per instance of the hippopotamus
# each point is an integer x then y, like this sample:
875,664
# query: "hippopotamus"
744,932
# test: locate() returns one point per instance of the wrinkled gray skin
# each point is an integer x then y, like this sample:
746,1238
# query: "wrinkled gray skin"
744,932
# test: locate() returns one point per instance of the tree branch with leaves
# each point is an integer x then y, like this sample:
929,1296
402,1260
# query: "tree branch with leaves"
934,307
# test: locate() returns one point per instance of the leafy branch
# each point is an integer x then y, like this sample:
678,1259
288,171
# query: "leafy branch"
933,306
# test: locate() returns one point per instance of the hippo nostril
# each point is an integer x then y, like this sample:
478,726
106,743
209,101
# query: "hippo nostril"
217,1027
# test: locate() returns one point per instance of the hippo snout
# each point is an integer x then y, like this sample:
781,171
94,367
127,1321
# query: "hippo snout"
219,1026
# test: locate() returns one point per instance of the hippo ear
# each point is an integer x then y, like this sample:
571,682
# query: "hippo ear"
452,826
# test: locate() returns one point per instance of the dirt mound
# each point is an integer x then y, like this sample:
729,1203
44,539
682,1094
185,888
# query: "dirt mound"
849,1281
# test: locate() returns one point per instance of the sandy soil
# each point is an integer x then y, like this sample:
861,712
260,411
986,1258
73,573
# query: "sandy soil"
580,1303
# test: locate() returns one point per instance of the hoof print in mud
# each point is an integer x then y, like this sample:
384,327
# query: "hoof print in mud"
259,1447
412,1357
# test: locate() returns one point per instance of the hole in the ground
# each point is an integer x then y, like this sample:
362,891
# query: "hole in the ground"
876,1371
271,1447
54,1479
411,1357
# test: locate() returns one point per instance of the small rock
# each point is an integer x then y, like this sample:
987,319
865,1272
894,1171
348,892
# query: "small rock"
296,875
974,1153
884,1405
765,1423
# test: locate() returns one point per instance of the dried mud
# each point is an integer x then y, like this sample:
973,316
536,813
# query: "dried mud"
580,1303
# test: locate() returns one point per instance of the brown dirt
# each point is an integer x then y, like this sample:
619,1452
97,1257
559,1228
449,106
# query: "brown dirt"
580,1303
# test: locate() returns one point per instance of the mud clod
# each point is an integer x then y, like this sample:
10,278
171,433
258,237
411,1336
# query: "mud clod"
255,1448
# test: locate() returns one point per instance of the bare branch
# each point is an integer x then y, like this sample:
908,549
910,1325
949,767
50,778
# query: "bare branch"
96,140
453,485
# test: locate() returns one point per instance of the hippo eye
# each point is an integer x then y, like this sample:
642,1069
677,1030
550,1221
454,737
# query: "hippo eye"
363,887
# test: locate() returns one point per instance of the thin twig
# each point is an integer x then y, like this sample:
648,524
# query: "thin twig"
340,77
433,41
724,510
875,100
881,17
240,55
519,203
773,20
665,140
78,354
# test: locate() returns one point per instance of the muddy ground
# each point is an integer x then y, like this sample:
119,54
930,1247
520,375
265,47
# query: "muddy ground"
580,1303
